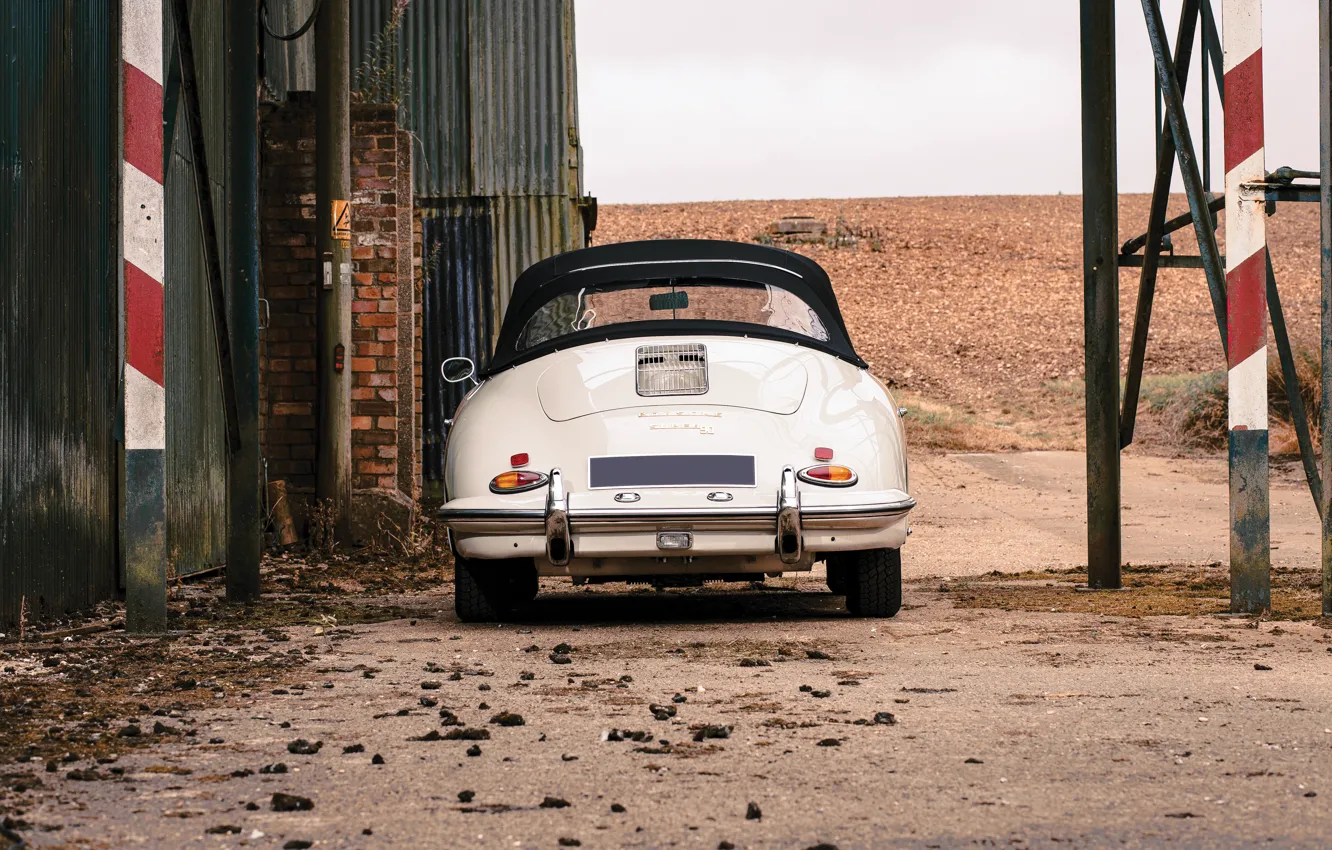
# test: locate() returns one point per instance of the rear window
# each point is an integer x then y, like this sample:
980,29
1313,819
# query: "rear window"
665,301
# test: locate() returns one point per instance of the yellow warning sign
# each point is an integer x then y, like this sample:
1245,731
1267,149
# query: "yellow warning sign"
341,221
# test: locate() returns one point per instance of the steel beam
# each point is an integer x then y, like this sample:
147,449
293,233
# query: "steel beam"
1100,286
1179,222
1188,162
1325,147
1206,12
1299,417
1165,169
1165,261
244,504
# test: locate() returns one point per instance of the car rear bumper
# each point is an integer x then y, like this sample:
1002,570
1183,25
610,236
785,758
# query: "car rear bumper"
787,535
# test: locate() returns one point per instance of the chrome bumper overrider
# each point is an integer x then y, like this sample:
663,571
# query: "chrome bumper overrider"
787,521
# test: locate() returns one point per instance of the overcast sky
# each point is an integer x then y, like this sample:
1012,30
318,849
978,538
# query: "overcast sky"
695,100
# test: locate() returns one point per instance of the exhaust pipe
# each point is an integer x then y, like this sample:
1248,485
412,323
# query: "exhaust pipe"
790,535
558,544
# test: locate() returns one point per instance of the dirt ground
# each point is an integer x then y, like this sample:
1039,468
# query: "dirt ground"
996,709
1004,706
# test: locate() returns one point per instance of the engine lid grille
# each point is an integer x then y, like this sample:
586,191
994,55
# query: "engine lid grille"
679,369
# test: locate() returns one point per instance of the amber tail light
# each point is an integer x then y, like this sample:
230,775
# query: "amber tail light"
828,475
516,481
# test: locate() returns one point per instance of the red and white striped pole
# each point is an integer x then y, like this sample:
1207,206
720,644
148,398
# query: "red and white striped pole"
1246,311
143,521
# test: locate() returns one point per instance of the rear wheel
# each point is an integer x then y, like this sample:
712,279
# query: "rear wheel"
874,583
486,591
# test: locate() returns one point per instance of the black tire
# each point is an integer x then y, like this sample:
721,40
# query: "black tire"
487,591
875,583
839,581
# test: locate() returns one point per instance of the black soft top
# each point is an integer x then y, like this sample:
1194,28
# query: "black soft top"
740,262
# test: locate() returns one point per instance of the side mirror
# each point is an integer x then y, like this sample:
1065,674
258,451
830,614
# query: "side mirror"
455,370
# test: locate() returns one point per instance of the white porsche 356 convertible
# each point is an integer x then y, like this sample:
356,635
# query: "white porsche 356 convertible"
674,412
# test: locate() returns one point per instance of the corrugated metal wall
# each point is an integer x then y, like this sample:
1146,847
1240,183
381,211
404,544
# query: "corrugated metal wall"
288,66
458,250
196,459
493,93
473,250
59,305
497,162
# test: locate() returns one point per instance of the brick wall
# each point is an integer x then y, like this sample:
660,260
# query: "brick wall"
288,390
375,336
385,307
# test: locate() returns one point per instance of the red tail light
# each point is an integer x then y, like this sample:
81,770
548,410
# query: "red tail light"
823,454
518,460
828,476
516,481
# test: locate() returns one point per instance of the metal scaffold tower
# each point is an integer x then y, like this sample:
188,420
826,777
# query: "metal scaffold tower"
1242,285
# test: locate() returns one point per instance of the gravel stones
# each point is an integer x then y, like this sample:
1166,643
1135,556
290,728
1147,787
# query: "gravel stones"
554,803
86,774
753,812
302,747
508,718
662,712
290,802
704,733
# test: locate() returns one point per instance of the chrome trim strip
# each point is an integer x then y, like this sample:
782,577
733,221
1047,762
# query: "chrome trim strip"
678,262
887,509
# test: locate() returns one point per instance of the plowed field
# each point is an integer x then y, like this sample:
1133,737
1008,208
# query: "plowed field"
976,302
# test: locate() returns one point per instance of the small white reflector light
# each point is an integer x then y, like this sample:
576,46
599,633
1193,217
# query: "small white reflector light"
674,540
